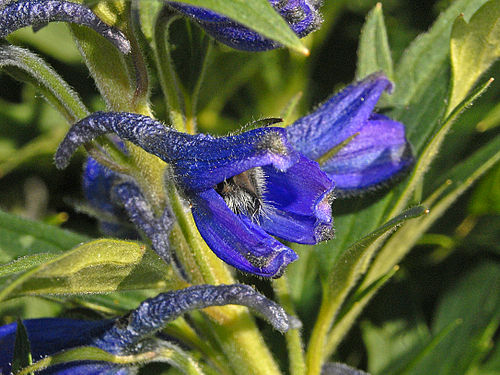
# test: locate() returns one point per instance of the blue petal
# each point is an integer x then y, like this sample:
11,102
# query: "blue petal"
300,203
339,118
302,16
378,150
98,182
379,153
236,239
37,13
49,336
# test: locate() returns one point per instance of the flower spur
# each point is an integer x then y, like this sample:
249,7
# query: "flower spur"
37,13
242,188
302,16
134,333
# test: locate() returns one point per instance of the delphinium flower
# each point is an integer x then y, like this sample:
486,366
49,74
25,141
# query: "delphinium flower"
242,188
357,148
302,15
134,333
37,13
114,198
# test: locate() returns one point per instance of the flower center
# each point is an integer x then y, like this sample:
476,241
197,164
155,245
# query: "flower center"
243,192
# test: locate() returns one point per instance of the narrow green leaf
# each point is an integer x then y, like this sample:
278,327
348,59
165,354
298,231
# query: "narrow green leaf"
95,267
461,177
343,277
346,270
432,148
22,349
374,53
474,47
25,263
25,65
20,237
258,15
428,52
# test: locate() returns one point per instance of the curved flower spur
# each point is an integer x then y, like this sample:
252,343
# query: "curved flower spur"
134,333
302,16
37,13
242,188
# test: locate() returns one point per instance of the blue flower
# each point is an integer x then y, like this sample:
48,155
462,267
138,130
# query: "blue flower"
358,149
242,189
38,13
302,15
135,332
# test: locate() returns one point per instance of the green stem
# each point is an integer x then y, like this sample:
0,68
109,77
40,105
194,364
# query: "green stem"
316,347
167,76
293,336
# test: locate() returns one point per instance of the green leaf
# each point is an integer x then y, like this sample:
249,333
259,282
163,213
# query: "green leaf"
22,348
347,268
374,53
95,267
456,182
431,150
428,52
459,179
25,263
474,47
391,344
343,277
475,302
258,15
20,237
26,66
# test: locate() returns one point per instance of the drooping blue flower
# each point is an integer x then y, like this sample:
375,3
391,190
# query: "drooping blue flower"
114,198
37,13
376,150
302,15
135,332
242,188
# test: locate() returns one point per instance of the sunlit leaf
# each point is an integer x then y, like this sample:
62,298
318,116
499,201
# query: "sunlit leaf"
95,267
474,47
374,53
427,53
